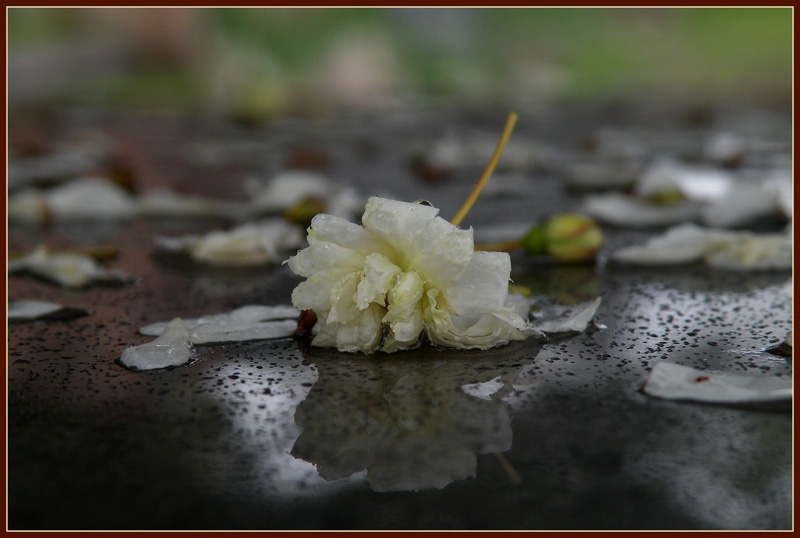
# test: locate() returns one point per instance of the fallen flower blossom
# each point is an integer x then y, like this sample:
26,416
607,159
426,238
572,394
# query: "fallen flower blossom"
404,273
689,243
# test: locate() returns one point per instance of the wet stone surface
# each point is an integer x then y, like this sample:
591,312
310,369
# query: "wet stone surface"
277,435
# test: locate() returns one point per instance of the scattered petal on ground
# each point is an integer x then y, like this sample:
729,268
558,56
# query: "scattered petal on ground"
291,186
700,184
746,201
30,309
80,199
172,348
558,320
252,322
241,316
631,212
167,203
65,269
675,382
689,243
249,244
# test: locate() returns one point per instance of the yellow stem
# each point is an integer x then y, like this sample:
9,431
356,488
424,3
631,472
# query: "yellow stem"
512,474
487,173
525,291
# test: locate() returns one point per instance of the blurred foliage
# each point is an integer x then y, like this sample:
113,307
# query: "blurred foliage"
523,54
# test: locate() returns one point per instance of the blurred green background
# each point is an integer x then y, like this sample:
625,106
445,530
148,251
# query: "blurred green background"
260,62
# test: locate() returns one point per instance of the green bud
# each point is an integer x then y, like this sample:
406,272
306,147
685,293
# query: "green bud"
535,241
566,237
304,210
667,196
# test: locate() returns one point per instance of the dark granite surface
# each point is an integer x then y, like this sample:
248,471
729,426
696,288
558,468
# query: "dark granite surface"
274,435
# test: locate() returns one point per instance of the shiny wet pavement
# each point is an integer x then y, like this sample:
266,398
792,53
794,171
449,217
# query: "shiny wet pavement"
277,435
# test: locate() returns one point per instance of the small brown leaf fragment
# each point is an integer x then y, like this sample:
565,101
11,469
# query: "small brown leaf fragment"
308,159
305,322
429,172
702,378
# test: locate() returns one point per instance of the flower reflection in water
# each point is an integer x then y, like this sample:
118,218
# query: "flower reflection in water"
408,422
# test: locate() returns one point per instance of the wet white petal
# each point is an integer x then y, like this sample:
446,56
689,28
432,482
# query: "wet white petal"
695,183
322,256
624,210
343,306
291,186
576,319
744,202
404,315
483,285
718,248
167,203
172,348
89,198
248,244
240,331
30,309
379,277
65,269
746,251
363,333
333,229
288,188
676,382
249,314
315,293
438,250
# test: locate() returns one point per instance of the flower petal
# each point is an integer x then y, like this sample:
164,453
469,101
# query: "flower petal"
315,293
343,306
429,244
331,229
379,276
321,256
483,286
364,333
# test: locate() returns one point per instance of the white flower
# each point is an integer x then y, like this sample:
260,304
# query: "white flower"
405,272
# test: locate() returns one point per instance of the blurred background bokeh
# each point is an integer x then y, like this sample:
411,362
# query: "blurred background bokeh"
260,62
